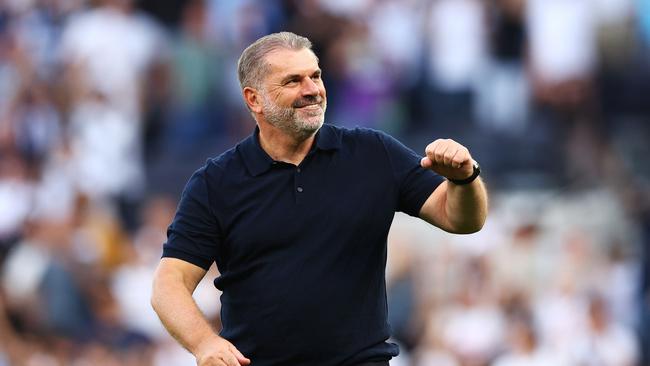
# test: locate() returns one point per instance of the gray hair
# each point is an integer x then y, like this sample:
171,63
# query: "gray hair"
251,66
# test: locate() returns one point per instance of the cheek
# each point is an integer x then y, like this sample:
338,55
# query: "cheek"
285,101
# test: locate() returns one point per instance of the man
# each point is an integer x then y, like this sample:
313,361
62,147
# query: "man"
296,218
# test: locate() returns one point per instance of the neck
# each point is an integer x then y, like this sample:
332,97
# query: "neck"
283,147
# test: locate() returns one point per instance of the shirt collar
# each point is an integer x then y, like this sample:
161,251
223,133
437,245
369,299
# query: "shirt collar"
328,138
257,161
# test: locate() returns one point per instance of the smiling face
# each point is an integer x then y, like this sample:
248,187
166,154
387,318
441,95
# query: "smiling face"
292,96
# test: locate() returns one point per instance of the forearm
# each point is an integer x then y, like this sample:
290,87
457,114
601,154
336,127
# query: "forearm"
466,206
179,313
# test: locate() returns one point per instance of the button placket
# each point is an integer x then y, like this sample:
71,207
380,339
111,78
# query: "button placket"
299,186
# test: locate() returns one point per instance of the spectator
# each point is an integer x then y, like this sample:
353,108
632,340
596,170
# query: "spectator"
606,342
524,348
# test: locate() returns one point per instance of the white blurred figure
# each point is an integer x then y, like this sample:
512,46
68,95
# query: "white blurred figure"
36,32
473,326
559,316
105,149
54,194
605,342
524,349
562,38
112,46
457,43
432,350
503,93
617,280
614,11
437,358
396,36
131,282
131,285
107,52
474,333
16,196
523,262
563,50
23,273
36,124
347,8
503,98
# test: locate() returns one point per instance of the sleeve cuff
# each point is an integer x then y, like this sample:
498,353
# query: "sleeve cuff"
178,254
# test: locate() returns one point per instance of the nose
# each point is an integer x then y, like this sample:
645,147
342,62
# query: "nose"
309,87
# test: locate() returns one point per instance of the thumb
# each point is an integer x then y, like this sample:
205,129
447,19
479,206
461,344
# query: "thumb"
426,163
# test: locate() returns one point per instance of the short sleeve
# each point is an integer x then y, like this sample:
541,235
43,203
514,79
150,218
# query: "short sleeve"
415,184
194,234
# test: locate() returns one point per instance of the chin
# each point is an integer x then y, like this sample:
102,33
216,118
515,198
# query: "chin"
308,128
313,125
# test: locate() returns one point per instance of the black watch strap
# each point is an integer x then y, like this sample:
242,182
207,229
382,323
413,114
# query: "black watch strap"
471,178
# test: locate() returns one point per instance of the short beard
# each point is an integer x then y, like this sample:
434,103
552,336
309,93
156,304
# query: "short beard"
287,120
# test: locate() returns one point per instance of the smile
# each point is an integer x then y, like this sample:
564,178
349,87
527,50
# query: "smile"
311,107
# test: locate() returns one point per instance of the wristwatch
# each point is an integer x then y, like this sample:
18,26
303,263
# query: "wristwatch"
471,178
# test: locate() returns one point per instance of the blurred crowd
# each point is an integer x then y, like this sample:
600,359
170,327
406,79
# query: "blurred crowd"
107,106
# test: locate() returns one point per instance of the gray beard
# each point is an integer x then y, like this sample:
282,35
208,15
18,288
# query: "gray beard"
287,120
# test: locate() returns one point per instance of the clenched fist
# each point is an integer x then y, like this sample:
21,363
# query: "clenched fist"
449,159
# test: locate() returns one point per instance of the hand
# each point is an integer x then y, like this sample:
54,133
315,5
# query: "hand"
219,352
449,159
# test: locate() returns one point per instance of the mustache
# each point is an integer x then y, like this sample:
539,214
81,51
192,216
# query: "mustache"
308,100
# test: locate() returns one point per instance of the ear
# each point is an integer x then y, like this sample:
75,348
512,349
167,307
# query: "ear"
253,99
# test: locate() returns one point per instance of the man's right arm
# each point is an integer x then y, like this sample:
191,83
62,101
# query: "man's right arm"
174,282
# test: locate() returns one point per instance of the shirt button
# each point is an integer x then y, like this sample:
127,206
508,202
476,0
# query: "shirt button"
298,170
299,189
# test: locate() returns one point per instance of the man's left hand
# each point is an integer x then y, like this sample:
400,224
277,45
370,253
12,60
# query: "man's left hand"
449,159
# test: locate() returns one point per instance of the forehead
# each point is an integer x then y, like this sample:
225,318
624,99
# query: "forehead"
285,62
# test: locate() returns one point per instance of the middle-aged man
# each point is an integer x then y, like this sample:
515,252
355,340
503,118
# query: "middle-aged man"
296,218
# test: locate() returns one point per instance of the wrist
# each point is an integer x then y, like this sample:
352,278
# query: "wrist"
476,171
205,344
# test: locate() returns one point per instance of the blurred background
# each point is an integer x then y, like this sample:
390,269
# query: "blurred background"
108,106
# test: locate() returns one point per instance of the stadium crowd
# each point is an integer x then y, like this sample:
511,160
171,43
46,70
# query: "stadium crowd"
107,106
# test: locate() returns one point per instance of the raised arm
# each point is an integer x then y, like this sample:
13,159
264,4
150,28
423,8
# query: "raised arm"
456,208
174,282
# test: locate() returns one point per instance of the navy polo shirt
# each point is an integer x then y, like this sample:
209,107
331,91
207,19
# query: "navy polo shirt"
301,250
